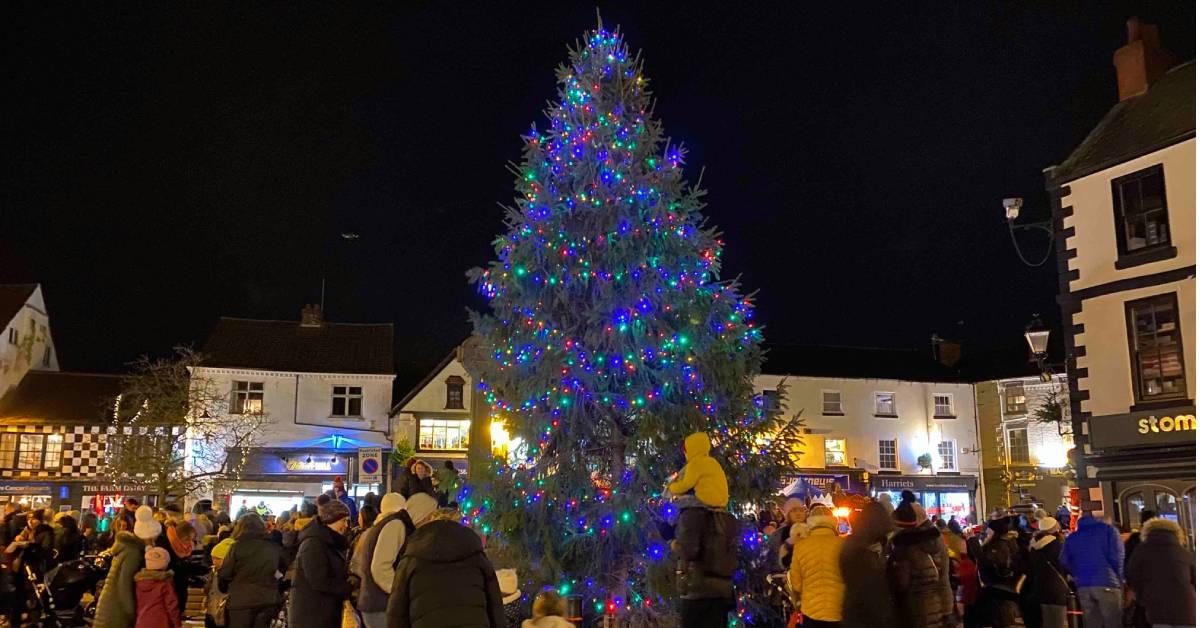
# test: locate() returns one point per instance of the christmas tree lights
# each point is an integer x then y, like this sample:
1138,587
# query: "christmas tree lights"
611,337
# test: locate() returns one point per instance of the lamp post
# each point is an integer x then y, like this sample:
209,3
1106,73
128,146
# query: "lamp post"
1012,210
1038,337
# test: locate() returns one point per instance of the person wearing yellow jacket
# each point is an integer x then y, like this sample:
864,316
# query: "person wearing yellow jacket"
816,574
702,474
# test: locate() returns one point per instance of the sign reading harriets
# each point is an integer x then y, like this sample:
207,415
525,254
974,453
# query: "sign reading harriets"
1170,426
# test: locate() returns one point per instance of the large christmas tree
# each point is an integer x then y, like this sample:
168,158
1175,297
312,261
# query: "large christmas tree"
611,338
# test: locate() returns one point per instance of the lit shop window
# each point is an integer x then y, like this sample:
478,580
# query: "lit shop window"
444,434
835,452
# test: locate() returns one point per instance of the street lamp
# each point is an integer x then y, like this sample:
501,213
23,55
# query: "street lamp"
1012,210
1038,337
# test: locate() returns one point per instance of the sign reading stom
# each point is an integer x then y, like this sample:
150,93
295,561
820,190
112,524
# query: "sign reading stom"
1181,423
1119,431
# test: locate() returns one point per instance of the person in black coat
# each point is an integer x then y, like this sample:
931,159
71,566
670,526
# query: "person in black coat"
321,581
1045,594
444,578
248,575
864,571
1163,574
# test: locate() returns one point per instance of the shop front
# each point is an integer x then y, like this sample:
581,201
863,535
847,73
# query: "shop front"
273,480
107,498
1145,460
29,494
813,485
941,495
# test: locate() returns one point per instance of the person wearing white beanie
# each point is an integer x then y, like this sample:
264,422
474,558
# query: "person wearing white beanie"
145,527
375,558
420,507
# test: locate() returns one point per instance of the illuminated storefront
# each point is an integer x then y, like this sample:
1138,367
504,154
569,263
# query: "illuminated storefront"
942,495
273,480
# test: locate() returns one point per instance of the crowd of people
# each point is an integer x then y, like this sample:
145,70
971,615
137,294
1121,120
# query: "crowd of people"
404,560
899,567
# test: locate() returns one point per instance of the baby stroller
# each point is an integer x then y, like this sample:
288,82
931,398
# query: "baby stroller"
61,591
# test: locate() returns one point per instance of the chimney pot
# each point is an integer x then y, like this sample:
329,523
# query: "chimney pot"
310,315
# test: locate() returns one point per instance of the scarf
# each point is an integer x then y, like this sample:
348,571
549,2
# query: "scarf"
182,548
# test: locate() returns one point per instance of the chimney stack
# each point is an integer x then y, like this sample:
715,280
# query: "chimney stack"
1141,61
310,315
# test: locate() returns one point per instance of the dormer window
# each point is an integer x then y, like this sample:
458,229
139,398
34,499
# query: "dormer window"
454,392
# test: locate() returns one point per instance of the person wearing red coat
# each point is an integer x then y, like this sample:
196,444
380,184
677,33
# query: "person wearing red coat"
157,604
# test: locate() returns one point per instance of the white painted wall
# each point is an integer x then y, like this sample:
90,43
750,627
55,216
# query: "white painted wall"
1095,239
1110,381
298,405
914,428
1046,446
430,403
31,321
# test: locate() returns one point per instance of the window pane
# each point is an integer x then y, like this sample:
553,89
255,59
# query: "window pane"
946,454
1134,504
885,403
356,390
339,406
887,454
8,450
1018,445
355,406
30,454
53,459
831,401
1157,349
835,451
256,386
339,390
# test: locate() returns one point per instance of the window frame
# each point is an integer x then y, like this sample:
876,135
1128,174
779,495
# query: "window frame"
825,411
46,357
895,454
463,424
8,455
455,382
894,414
1126,257
1135,371
1008,443
236,392
845,451
49,449
1024,406
347,397
14,335
953,443
950,396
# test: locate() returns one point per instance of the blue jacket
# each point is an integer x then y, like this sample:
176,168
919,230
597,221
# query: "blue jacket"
1093,554
349,501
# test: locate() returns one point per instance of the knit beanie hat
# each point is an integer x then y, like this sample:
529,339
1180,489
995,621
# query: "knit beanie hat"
1047,524
144,526
909,513
508,585
392,502
420,506
332,511
157,558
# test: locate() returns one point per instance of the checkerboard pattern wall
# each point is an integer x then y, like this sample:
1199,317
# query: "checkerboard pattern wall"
82,451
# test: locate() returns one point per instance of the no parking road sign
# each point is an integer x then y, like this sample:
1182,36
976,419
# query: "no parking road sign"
370,465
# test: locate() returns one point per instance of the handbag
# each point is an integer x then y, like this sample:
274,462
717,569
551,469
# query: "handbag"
215,602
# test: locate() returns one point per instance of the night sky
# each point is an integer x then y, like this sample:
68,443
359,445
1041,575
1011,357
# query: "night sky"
166,165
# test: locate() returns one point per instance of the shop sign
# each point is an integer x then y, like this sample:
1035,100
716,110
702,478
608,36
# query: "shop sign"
116,488
309,464
924,482
370,465
1143,429
25,488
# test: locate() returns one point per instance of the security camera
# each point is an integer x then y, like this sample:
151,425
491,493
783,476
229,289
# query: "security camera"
1012,207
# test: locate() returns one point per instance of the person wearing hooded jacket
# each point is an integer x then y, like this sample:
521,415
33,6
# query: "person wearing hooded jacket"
321,582
117,606
1045,594
376,556
919,569
1095,558
1001,568
444,578
248,575
701,475
1162,573
864,571
815,573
